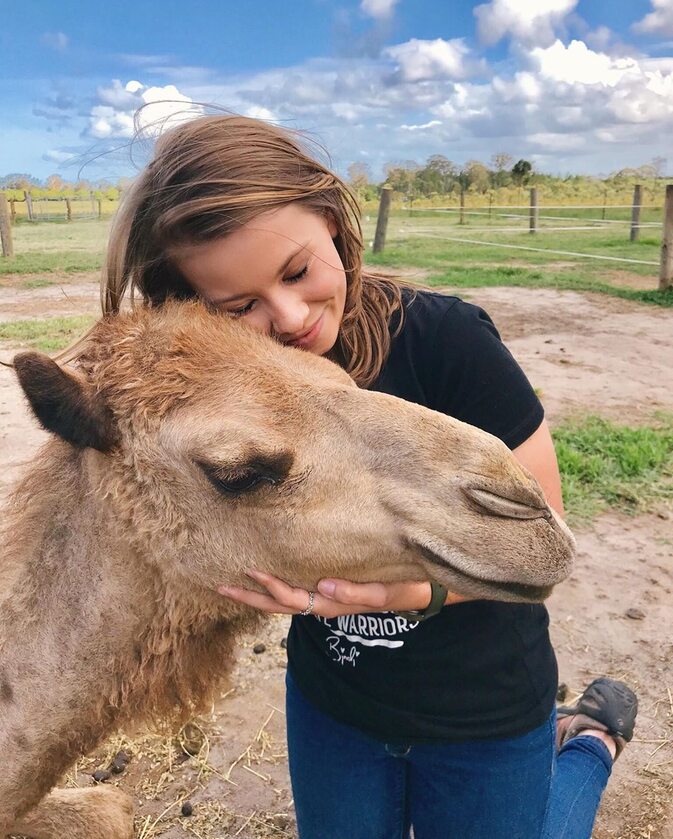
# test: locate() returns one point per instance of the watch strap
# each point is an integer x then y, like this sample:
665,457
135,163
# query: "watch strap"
437,600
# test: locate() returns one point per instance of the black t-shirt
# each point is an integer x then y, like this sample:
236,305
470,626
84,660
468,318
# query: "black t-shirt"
476,670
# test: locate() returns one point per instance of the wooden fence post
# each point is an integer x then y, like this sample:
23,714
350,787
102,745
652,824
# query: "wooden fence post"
382,219
12,209
68,209
490,206
29,204
666,272
100,208
635,212
533,210
5,227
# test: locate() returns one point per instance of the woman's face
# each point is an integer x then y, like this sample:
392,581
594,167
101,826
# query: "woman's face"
280,273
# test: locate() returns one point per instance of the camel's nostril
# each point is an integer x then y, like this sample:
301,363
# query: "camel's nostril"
500,505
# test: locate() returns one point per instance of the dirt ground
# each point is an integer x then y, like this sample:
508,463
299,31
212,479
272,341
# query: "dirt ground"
584,353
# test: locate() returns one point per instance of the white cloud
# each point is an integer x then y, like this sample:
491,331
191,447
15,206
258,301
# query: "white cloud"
659,21
600,38
260,113
577,64
423,127
160,108
55,40
528,21
569,101
524,87
56,156
378,9
556,142
563,102
347,111
418,60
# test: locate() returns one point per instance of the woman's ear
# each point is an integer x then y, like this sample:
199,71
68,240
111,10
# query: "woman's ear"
332,225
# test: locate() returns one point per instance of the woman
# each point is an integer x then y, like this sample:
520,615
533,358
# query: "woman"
443,717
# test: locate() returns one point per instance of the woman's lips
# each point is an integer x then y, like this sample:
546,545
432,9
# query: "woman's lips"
309,337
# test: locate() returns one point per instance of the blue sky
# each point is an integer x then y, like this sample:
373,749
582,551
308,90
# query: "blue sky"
574,85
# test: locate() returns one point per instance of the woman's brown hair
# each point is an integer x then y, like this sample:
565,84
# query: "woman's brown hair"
210,175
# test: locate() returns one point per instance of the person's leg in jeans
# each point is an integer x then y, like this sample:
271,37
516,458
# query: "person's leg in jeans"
583,767
591,734
345,785
496,789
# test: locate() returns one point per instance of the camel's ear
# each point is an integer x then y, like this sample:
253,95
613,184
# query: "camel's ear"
64,403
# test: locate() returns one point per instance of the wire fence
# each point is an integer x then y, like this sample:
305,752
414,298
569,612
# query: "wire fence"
60,208
580,254
593,223
585,229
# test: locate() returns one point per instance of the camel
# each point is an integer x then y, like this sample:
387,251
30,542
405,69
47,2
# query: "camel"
185,449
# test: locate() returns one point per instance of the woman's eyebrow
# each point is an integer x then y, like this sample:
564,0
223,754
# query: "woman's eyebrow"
280,271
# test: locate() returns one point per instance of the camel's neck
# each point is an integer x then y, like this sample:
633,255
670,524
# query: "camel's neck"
90,635
63,619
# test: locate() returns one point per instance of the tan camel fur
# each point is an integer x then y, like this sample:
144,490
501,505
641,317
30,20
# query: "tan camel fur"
187,449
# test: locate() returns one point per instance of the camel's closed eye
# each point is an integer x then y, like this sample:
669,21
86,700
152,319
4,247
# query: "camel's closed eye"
236,479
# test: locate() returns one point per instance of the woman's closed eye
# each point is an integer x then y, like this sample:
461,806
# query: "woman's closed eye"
237,313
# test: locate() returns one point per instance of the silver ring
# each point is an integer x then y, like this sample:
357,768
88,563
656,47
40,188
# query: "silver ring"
311,603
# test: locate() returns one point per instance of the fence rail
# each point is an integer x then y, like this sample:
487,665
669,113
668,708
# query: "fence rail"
61,208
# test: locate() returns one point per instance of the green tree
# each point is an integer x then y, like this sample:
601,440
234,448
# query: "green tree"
18,180
402,177
502,164
440,174
479,175
521,172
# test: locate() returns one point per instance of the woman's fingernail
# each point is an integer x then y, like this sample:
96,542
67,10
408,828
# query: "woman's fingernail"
225,590
256,575
327,587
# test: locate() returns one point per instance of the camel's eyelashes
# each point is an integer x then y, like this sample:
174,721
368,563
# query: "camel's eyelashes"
236,486
235,479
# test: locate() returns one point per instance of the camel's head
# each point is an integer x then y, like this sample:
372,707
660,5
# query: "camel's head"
219,450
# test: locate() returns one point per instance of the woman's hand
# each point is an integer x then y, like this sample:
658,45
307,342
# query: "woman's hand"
335,597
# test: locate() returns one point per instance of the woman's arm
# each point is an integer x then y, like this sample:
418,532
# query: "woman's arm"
538,456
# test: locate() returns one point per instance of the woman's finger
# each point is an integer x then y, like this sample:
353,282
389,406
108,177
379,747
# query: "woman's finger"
401,596
296,599
372,595
256,599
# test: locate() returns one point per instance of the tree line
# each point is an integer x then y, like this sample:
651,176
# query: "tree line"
440,176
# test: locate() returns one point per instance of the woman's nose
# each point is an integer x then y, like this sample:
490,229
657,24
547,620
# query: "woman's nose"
289,316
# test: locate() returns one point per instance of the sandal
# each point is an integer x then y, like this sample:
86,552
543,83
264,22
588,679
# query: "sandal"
606,705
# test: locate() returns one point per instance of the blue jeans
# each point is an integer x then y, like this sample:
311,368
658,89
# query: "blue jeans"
347,785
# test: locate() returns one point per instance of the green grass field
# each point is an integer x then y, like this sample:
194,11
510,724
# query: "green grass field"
607,465
426,240
47,335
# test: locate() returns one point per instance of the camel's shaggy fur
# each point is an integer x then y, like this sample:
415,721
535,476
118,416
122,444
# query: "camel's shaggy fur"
186,450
